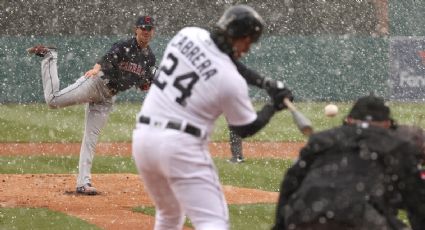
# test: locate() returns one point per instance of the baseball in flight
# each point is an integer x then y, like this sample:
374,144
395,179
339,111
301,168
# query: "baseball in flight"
331,110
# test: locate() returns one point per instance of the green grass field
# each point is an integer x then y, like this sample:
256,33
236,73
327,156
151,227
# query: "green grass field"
36,123
40,218
250,216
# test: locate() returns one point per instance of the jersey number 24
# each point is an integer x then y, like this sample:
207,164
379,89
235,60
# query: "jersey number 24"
186,89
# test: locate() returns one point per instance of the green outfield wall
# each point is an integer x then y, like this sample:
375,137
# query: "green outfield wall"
323,50
316,68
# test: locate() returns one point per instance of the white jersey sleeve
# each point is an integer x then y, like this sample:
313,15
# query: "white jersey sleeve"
235,101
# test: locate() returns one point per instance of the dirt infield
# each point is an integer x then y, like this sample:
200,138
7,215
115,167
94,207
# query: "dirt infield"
110,210
217,149
119,192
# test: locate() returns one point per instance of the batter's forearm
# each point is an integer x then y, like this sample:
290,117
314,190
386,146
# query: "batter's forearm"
251,77
255,79
263,117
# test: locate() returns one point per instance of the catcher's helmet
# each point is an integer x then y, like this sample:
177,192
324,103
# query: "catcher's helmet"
241,21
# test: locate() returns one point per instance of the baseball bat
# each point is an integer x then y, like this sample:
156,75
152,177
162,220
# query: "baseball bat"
302,122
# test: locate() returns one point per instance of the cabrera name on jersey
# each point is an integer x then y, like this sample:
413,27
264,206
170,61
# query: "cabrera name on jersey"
195,56
196,82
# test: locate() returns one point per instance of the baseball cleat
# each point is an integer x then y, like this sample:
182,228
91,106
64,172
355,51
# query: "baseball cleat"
87,189
236,160
40,50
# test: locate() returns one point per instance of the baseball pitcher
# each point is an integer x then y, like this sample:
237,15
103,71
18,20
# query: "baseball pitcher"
128,63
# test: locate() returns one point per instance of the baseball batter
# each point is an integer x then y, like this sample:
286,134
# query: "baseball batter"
197,81
128,63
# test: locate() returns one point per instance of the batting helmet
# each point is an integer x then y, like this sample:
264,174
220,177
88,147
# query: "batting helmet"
241,21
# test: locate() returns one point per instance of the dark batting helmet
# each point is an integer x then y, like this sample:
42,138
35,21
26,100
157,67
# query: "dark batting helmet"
241,21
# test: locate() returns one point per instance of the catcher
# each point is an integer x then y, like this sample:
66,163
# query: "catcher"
355,176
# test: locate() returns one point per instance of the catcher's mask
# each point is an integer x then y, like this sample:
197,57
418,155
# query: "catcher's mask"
370,108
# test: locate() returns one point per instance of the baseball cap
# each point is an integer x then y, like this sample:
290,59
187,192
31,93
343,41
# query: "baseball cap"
370,108
145,21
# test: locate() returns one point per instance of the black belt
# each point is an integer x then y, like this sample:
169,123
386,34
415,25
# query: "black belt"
190,129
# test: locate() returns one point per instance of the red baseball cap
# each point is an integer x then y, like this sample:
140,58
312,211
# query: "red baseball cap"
145,21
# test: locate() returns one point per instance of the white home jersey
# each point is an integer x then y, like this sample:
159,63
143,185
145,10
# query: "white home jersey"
196,83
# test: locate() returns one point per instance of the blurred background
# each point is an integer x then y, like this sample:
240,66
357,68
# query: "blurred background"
324,50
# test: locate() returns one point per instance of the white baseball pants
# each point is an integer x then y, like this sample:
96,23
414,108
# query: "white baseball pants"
180,177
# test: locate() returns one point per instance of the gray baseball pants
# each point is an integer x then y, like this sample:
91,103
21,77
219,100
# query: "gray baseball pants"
90,90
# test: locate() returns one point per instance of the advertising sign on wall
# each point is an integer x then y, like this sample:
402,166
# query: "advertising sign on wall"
407,68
